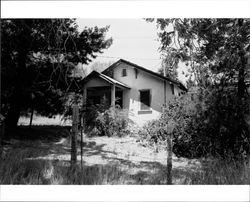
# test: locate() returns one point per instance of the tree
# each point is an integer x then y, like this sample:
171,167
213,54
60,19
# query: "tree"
214,50
169,64
85,70
38,59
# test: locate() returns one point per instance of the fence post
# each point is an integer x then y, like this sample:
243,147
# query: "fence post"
2,127
170,128
75,122
83,120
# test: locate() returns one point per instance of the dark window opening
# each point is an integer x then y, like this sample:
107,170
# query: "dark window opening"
145,99
172,88
136,73
124,72
118,99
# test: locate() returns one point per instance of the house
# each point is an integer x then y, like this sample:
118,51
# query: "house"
141,91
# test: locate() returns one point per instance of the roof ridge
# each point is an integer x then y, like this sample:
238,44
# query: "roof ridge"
147,70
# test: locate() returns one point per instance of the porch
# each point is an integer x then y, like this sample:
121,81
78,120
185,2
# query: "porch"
97,86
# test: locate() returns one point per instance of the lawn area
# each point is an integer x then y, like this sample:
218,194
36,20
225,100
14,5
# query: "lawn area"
41,155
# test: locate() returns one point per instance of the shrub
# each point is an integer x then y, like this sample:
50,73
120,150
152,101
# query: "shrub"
113,122
152,134
93,111
209,122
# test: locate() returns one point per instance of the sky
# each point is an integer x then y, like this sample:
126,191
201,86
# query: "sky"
134,40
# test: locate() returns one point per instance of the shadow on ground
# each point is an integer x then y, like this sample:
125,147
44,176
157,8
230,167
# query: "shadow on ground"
42,156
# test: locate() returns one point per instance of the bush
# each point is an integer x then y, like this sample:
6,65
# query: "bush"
153,134
209,122
93,112
113,122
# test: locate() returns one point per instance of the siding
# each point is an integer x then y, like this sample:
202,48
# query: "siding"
144,80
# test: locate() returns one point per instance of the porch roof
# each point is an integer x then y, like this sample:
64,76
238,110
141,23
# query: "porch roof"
110,80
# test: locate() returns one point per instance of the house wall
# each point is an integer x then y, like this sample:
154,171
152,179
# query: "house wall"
131,98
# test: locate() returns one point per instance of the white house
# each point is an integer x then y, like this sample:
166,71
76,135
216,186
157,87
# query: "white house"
141,91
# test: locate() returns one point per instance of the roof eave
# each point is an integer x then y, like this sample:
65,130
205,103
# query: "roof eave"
95,73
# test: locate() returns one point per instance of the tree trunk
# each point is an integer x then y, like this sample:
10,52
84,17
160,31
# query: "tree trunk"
21,81
169,138
75,123
169,159
31,117
13,116
2,127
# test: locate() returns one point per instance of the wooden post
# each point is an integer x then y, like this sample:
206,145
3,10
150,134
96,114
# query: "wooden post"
113,95
83,120
169,135
75,122
31,117
84,96
170,128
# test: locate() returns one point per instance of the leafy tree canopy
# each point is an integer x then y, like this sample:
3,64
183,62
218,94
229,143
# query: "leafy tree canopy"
213,48
38,56
211,119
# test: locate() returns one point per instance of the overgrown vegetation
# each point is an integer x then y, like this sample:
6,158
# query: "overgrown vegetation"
153,135
39,59
101,119
207,122
211,120
19,169
23,165
113,122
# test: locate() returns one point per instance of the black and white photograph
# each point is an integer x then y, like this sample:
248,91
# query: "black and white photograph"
125,101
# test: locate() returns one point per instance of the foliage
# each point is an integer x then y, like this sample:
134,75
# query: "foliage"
94,110
217,45
153,134
221,172
101,66
207,122
212,120
169,64
113,122
38,58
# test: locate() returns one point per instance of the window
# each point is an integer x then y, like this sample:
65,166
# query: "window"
145,99
172,88
124,72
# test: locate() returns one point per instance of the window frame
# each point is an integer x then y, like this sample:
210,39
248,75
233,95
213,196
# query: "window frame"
150,99
124,72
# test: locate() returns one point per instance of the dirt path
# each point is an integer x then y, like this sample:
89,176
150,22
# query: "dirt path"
124,157
136,159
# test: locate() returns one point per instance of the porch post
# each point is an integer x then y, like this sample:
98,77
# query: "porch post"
113,95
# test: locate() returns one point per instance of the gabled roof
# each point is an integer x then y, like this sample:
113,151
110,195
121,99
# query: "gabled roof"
104,77
110,68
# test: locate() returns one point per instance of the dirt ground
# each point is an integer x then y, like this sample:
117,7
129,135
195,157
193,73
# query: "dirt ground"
140,163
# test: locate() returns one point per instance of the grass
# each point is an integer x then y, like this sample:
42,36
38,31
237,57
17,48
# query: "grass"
22,164
222,172
17,169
